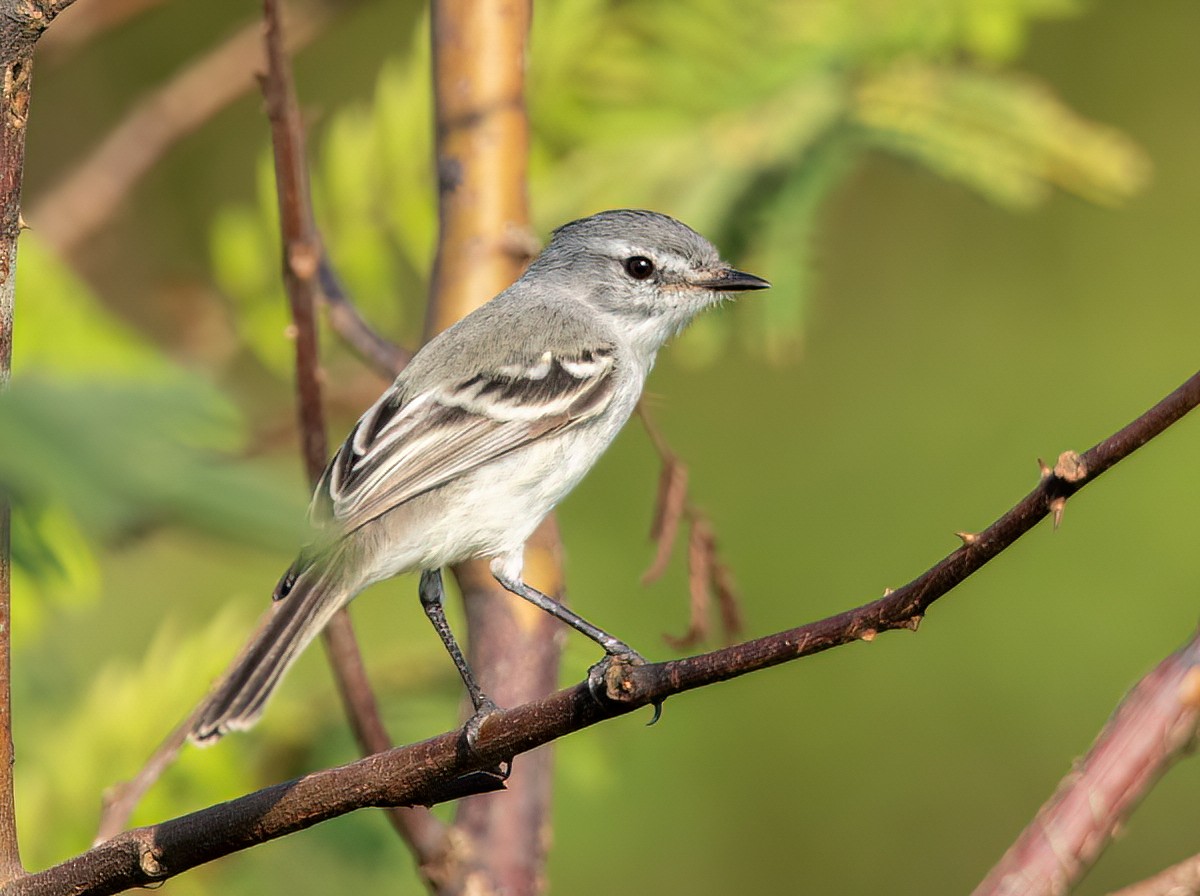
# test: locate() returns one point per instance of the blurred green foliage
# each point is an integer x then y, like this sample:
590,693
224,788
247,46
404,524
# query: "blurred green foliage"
944,345
659,108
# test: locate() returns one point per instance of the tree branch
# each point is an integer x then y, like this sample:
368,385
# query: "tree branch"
1153,726
441,768
89,21
482,146
387,358
22,25
88,195
301,242
309,278
905,607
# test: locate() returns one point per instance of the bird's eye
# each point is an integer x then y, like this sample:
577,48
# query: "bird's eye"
639,267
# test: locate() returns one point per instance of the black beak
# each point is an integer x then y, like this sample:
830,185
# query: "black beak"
730,280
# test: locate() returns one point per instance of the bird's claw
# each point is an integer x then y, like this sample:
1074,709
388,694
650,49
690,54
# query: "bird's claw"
485,707
606,680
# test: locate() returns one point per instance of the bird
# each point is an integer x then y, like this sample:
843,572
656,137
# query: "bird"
488,427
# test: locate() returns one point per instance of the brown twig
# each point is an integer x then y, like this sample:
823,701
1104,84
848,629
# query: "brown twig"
482,146
385,356
350,675
1153,726
307,274
301,242
669,506
123,797
24,21
17,36
905,607
706,571
436,769
85,198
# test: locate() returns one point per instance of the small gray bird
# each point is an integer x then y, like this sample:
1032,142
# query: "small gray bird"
490,425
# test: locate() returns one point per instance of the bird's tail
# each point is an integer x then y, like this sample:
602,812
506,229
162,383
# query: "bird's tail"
307,596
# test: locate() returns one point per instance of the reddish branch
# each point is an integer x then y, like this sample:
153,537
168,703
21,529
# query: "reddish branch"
306,274
21,23
302,248
1151,729
438,769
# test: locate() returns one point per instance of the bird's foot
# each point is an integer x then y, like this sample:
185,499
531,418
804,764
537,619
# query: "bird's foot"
608,680
485,708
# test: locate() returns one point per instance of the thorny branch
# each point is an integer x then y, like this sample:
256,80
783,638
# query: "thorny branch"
436,769
1154,725
906,606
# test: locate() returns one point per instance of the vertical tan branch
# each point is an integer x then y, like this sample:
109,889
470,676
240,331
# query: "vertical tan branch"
482,136
482,152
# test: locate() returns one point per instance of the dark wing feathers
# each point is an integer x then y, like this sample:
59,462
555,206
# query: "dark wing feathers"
403,448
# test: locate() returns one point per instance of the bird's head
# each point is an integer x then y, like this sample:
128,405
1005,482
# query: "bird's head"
647,270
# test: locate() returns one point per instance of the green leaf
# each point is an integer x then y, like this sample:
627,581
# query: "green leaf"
64,329
1007,137
118,456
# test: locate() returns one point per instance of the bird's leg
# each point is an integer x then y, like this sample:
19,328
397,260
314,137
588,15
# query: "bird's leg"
508,575
432,602
611,645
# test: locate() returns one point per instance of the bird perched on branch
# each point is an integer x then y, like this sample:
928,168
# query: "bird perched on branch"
489,426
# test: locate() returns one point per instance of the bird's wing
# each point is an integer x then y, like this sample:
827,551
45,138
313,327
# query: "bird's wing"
403,447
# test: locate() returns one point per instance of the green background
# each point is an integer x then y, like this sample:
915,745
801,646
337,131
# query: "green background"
941,346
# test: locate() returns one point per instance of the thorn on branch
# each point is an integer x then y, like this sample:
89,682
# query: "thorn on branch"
968,538
1057,507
